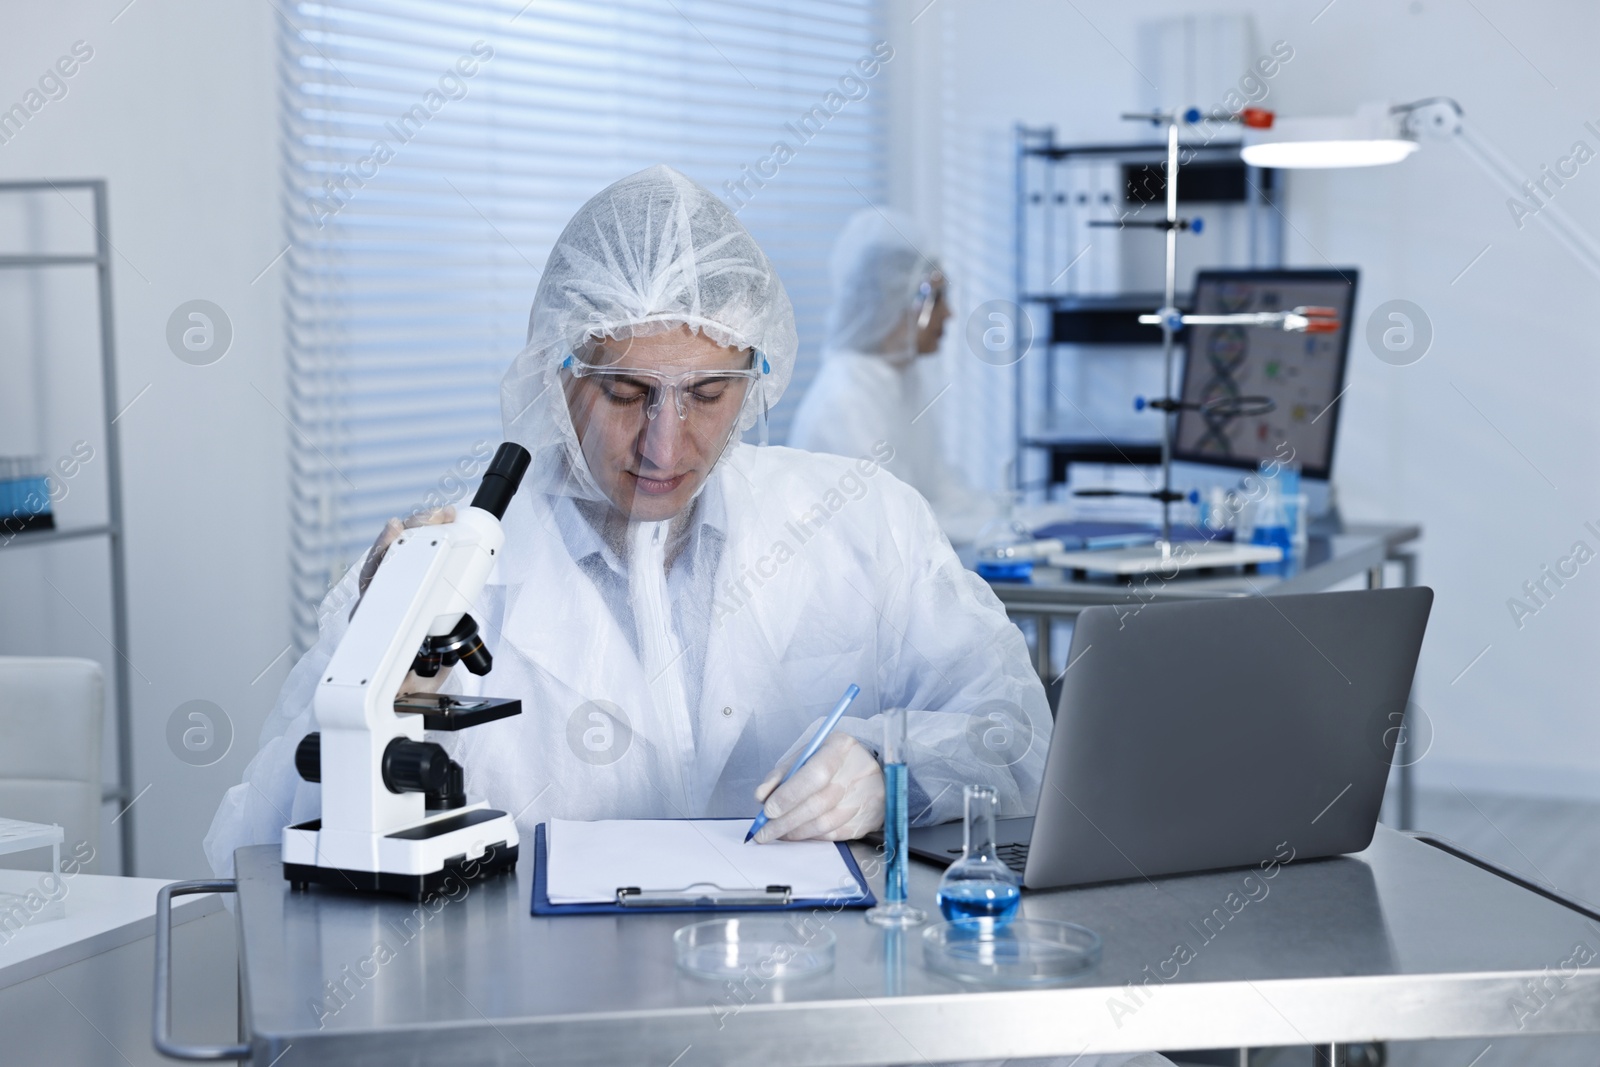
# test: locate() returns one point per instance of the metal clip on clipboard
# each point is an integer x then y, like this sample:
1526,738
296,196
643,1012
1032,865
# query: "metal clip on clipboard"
704,895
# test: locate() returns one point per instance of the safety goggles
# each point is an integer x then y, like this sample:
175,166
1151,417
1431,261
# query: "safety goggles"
695,393
929,294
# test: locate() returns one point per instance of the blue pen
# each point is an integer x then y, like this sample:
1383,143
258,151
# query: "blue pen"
811,750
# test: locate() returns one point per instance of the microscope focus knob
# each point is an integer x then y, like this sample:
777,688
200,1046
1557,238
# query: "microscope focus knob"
416,766
308,757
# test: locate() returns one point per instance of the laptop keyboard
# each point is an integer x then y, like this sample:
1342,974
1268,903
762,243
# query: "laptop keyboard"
1013,854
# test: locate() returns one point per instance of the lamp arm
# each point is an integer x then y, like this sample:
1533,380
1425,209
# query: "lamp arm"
1442,118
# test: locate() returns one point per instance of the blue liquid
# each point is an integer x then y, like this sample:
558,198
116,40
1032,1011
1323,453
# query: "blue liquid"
979,899
894,832
1006,571
1272,535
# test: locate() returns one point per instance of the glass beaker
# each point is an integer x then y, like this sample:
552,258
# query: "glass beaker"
894,911
1294,505
1004,546
1271,524
979,885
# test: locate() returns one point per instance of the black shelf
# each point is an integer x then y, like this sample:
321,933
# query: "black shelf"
9,262
47,535
1105,320
1138,151
1065,451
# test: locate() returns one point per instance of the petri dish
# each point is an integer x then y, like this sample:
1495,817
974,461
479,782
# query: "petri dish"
766,947
1022,952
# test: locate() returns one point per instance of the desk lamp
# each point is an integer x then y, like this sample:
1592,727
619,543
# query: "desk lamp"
1385,133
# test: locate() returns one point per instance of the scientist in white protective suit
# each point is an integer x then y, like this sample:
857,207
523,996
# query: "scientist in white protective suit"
890,304
676,609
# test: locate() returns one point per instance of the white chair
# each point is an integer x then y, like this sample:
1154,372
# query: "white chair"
52,712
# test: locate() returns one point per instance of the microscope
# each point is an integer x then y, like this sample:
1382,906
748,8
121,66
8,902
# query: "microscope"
395,815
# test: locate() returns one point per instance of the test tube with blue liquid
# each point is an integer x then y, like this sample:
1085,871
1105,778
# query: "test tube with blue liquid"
979,886
1294,505
894,911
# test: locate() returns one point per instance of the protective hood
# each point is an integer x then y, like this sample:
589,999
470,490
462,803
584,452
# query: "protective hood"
877,267
650,253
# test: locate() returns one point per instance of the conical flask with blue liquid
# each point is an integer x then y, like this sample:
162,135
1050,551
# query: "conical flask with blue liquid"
979,885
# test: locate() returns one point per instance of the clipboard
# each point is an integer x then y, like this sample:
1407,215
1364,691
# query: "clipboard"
702,897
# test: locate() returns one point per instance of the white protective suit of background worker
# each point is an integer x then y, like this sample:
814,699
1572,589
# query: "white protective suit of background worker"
668,662
889,309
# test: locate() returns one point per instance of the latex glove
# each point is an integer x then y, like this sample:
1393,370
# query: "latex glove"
836,796
414,682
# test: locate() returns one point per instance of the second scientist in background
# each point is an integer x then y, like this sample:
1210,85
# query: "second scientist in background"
889,308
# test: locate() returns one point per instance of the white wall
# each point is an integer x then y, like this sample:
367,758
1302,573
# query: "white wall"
177,110
1489,441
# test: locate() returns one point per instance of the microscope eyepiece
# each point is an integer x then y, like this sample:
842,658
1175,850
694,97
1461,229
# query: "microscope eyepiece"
500,481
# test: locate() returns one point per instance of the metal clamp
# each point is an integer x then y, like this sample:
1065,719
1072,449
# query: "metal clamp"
161,1022
704,895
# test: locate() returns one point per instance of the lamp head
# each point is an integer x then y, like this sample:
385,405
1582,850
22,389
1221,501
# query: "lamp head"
1376,134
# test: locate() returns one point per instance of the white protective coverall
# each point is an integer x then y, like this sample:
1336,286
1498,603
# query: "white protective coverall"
871,386
664,668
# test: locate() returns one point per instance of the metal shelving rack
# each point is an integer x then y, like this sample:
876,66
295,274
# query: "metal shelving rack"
1110,317
112,529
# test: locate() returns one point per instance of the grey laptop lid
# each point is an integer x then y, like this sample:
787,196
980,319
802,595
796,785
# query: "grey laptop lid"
1222,733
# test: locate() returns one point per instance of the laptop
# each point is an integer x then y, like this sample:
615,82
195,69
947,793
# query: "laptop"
1214,734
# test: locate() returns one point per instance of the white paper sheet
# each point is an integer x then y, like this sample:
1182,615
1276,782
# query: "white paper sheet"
588,861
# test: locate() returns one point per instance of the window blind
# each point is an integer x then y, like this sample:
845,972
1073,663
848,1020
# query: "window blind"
435,148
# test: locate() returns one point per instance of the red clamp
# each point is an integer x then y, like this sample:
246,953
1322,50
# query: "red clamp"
1319,319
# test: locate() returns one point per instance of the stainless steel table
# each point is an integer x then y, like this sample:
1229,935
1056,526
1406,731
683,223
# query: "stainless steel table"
1403,941
76,990
1329,558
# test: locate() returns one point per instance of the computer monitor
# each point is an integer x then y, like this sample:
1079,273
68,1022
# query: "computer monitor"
1302,373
